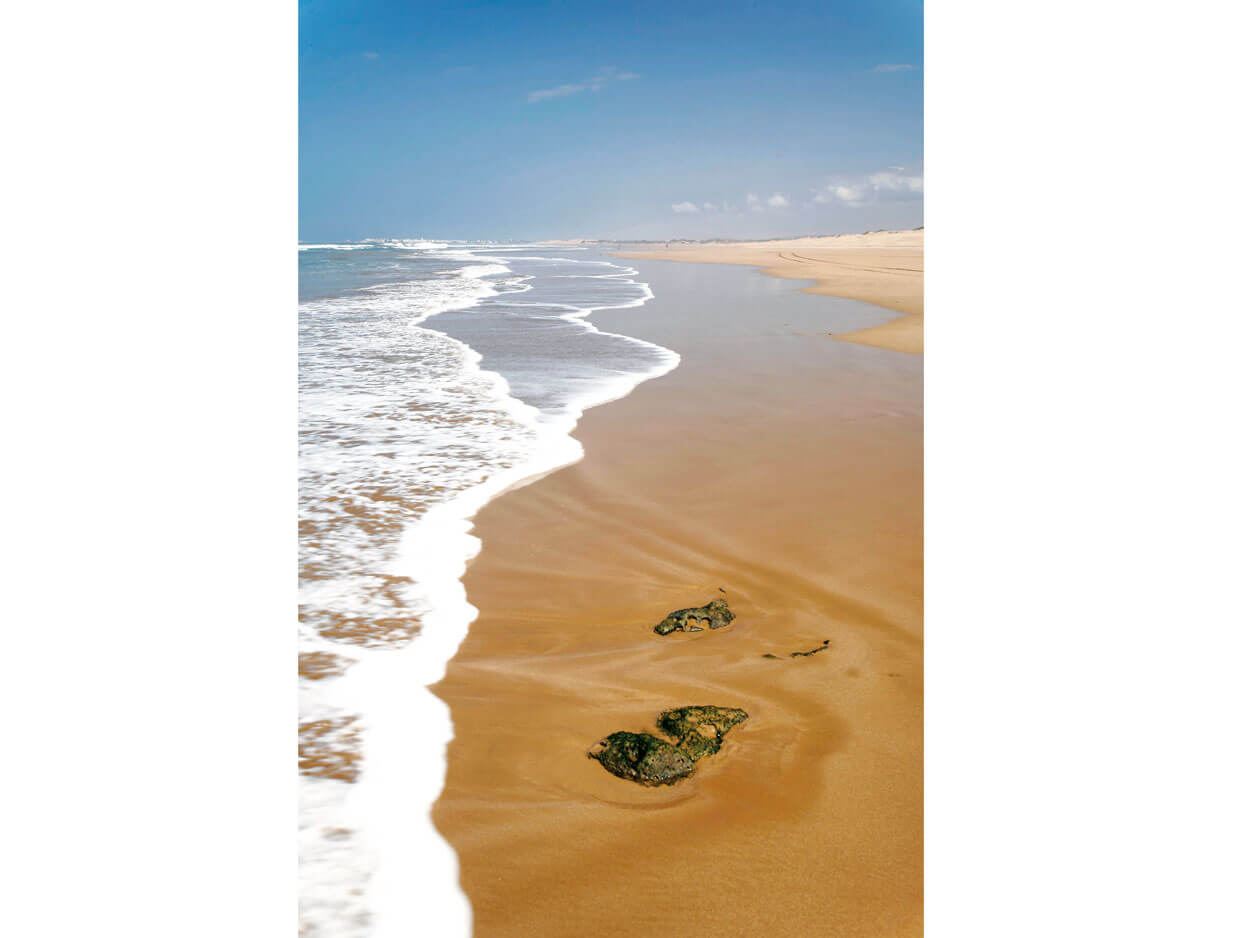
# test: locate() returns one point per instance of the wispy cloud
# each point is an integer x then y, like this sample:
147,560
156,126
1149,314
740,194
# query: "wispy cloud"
685,208
757,204
603,77
890,185
895,68
370,55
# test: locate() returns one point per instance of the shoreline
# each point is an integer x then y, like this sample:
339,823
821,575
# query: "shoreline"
576,568
401,890
884,268
397,752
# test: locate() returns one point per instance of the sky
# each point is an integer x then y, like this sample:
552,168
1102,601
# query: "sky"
614,120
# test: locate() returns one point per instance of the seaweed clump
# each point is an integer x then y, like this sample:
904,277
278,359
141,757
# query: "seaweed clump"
800,654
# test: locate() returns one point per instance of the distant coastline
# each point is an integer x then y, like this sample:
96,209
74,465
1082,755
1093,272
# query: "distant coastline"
885,268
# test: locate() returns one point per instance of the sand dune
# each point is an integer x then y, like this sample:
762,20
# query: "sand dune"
885,268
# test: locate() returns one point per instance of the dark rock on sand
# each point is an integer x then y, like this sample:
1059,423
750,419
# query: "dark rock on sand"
700,730
677,723
714,615
703,740
643,758
649,760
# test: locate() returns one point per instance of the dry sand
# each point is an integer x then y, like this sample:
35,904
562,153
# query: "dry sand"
784,469
885,268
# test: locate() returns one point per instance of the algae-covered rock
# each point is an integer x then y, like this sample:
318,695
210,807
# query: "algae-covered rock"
714,615
643,758
703,740
679,722
649,760
700,730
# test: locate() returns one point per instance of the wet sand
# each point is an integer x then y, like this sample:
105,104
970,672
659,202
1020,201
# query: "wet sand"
785,469
885,268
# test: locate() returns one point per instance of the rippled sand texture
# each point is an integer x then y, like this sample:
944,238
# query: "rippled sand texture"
785,469
885,268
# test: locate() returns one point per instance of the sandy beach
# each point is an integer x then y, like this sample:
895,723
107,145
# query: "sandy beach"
885,268
775,468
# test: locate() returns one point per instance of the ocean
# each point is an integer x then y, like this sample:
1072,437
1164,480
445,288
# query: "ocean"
434,376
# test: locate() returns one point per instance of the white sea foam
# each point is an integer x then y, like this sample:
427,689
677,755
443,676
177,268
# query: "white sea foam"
404,438
483,270
333,247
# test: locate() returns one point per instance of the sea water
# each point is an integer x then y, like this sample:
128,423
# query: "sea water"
434,376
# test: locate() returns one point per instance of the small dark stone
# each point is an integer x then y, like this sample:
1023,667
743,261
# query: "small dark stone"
643,758
715,615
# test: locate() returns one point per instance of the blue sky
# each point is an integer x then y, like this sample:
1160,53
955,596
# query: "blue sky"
474,119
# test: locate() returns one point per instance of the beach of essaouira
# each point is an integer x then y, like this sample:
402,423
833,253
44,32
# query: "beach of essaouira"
611,428
479,469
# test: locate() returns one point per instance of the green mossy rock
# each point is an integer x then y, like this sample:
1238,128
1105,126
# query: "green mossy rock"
643,758
703,740
677,723
649,760
715,615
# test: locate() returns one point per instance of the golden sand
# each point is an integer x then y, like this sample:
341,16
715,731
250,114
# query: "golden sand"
885,268
785,470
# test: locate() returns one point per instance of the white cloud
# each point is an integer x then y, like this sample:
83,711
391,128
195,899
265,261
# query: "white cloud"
709,207
894,68
685,208
889,185
893,182
559,91
757,204
594,83
851,195
370,55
